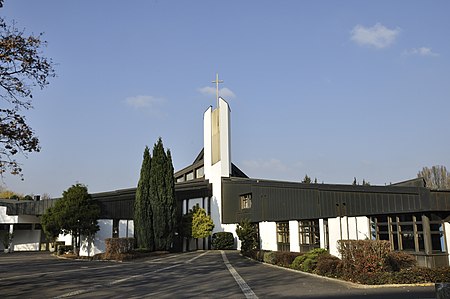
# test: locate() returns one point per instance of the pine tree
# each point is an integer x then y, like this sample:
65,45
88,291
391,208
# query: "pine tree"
306,179
143,223
172,215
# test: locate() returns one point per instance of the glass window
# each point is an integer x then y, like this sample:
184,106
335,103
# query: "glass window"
180,179
246,201
309,231
309,234
404,232
190,176
437,236
283,236
200,172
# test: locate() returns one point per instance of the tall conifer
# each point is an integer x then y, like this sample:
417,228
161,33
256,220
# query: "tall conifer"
162,197
143,223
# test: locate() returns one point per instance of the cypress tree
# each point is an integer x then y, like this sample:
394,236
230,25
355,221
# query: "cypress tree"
162,197
143,223
171,204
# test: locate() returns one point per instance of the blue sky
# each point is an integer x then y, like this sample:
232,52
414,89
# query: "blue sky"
332,89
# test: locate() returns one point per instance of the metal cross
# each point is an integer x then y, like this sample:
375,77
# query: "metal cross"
217,81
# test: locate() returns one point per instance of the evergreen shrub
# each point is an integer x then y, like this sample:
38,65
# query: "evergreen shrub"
414,275
441,274
308,261
285,258
257,255
398,260
223,240
270,257
247,234
328,265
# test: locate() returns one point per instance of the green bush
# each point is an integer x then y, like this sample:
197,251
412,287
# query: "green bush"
270,257
247,234
398,260
257,255
329,265
414,275
374,278
308,261
223,240
285,258
441,274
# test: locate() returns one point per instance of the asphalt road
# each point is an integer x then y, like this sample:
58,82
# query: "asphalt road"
202,274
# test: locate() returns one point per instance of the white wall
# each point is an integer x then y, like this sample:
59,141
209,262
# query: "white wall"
26,240
268,235
231,228
353,228
5,219
214,173
334,234
294,238
447,237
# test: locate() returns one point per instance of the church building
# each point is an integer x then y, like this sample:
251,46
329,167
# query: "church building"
289,216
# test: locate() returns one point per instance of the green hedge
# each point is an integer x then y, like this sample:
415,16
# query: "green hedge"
307,262
223,240
381,267
119,245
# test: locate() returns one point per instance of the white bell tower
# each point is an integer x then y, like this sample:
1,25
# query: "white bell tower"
217,159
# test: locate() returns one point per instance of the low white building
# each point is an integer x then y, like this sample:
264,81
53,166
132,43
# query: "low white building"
25,229
289,216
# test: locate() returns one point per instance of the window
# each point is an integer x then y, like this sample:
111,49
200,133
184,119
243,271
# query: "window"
283,236
200,172
437,236
246,201
309,235
405,232
180,179
190,176
115,228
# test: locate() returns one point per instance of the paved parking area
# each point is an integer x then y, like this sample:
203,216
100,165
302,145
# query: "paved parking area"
202,274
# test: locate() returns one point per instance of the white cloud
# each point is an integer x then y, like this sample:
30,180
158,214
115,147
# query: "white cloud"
422,51
377,36
226,93
144,102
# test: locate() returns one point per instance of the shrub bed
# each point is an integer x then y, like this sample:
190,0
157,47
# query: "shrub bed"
223,240
374,266
307,262
115,246
329,265
398,260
